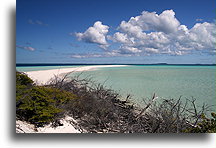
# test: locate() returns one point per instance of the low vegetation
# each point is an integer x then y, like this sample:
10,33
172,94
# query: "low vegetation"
39,104
98,109
206,125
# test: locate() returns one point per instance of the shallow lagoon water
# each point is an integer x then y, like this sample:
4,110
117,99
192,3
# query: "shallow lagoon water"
165,81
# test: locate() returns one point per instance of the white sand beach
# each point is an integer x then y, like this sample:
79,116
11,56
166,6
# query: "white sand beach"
24,127
43,76
66,128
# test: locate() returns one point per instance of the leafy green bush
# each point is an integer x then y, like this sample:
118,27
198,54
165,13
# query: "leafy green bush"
206,125
39,104
23,79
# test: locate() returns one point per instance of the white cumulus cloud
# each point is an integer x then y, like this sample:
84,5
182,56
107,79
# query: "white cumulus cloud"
152,33
147,21
95,34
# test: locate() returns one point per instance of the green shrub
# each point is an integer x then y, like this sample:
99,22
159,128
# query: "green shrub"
206,125
39,104
23,79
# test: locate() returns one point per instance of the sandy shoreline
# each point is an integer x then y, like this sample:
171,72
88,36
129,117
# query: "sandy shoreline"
43,76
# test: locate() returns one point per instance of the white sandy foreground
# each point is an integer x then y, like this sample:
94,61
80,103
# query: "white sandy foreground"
24,127
43,76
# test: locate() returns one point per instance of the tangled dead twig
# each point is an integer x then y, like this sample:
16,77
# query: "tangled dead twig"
99,109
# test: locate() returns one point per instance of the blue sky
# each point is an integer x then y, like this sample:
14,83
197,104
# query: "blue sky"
115,31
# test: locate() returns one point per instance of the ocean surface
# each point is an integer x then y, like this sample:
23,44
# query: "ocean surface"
166,81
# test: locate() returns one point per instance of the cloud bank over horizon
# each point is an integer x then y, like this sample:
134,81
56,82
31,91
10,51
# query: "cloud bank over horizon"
150,33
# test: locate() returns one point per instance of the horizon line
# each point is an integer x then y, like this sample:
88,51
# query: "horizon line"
56,64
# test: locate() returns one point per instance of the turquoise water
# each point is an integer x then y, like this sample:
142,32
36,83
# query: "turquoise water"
165,81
